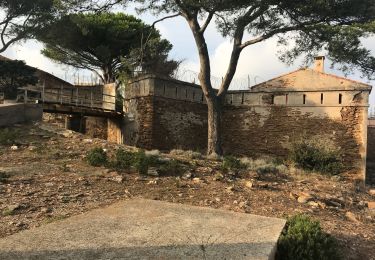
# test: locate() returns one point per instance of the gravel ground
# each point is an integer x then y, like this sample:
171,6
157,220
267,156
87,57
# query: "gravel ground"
45,178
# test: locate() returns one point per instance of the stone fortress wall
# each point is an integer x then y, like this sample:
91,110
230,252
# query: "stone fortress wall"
166,114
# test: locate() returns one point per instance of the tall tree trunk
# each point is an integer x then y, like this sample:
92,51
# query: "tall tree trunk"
214,98
108,75
214,143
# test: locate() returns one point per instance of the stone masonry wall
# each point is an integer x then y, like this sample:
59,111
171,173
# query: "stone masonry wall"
138,125
179,124
168,114
256,131
370,170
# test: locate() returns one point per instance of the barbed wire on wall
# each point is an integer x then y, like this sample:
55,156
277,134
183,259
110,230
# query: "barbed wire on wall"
243,83
80,79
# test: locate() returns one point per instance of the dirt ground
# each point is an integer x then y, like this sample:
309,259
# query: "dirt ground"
46,178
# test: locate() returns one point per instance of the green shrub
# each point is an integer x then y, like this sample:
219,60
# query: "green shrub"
97,157
232,163
311,157
304,239
7,136
153,160
265,169
124,159
141,162
172,168
3,177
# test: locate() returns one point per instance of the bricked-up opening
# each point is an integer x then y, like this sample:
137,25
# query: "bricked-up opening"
321,98
286,99
304,99
340,99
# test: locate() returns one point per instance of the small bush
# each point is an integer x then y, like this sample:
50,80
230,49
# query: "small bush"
3,177
255,164
232,163
311,157
7,136
265,169
304,239
153,160
7,212
97,157
189,154
141,162
124,159
171,168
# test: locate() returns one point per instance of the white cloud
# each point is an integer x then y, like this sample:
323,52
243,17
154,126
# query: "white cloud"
257,63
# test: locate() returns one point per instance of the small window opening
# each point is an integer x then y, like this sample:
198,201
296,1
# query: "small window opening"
186,93
321,98
340,99
202,98
243,98
286,99
193,95
176,92
164,90
272,99
304,99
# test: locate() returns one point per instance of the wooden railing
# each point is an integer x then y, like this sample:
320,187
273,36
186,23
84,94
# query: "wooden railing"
73,96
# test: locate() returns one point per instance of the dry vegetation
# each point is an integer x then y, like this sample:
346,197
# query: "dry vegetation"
46,178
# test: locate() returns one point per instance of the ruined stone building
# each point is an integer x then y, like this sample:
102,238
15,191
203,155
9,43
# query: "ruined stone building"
165,114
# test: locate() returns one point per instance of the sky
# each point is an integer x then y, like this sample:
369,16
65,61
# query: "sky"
257,63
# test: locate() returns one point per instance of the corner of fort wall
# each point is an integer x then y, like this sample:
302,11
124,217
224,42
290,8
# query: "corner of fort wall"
169,114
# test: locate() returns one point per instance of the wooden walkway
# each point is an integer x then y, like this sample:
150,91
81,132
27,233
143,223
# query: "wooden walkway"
87,101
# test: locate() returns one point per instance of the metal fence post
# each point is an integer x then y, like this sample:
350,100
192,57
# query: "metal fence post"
43,91
91,96
61,94
77,97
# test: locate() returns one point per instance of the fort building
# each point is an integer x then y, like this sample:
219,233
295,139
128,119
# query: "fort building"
165,114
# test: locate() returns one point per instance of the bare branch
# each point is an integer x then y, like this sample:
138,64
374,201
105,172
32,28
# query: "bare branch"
165,18
271,34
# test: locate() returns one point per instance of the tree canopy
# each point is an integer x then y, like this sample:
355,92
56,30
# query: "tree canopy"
303,27
15,74
21,19
107,44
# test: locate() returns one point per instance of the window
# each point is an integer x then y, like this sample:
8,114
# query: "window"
272,99
321,98
340,99
193,95
243,98
304,99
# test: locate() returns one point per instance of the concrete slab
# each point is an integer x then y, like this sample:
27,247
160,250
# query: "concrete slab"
143,229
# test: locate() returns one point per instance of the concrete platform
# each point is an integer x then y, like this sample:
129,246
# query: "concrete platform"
143,229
